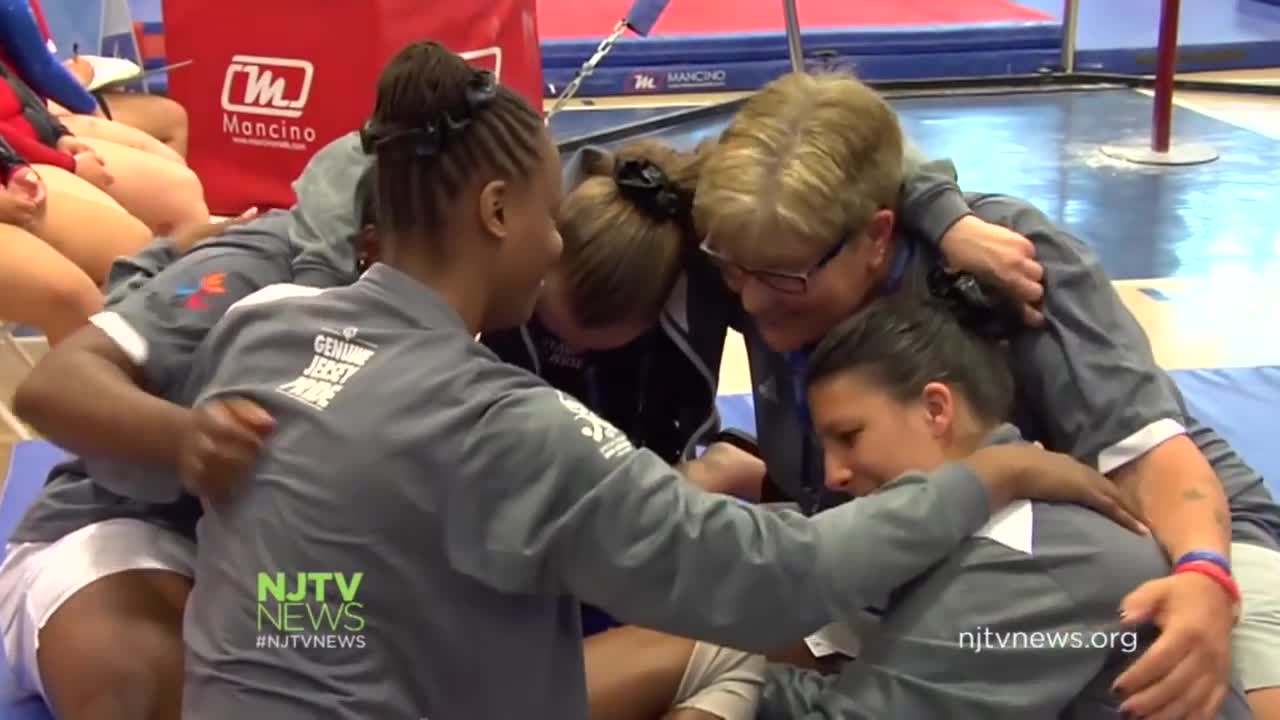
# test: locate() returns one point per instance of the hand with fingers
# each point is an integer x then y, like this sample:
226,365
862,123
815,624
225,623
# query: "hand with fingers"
1030,472
221,445
72,145
22,200
91,168
999,256
1186,673
727,470
192,235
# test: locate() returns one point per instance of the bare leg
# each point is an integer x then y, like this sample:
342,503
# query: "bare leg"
114,650
640,674
43,288
89,126
690,714
158,116
1265,703
85,225
165,195
633,673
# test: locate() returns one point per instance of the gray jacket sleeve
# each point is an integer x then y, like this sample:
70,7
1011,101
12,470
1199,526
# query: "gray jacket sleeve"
930,201
1089,380
552,499
990,634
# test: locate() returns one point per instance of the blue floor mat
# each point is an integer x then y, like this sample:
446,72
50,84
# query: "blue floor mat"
1239,403
745,61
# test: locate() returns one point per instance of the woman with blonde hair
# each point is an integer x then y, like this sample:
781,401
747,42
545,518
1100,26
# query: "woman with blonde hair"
799,206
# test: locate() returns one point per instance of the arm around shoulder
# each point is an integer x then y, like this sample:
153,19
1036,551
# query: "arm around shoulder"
551,499
930,202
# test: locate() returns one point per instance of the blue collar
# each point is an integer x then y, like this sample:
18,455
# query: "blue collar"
798,363
904,250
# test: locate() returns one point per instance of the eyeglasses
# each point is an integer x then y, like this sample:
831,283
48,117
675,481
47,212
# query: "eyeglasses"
790,283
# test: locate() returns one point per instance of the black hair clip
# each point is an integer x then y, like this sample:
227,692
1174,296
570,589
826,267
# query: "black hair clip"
978,308
649,188
368,138
430,138
423,141
481,91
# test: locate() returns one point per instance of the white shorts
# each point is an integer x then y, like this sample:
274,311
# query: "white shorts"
721,682
37,578
1255,644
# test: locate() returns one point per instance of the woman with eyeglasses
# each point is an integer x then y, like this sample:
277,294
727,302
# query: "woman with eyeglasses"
633,320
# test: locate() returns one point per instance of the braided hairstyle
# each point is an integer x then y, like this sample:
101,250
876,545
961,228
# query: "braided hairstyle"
439,127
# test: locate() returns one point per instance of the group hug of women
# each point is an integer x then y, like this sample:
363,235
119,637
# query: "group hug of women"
441,442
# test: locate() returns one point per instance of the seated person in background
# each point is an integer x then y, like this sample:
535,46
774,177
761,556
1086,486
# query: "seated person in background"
160,191
131,116
147,122
41,287
154,123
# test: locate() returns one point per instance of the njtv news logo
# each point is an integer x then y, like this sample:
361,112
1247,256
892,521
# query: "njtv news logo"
310,610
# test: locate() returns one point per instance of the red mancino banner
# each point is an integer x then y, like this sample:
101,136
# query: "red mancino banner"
265,92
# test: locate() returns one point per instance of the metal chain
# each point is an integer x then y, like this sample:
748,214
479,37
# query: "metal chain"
587,68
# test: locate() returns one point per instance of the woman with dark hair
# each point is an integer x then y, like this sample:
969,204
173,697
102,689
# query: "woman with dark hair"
1019,621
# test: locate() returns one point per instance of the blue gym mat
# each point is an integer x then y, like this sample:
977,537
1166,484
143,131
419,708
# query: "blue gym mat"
734,62
1239,403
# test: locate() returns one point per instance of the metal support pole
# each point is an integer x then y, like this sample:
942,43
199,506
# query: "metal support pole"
1159,150
794,47
1070,25
1166,68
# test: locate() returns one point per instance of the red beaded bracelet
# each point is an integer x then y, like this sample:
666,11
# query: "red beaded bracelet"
1215,573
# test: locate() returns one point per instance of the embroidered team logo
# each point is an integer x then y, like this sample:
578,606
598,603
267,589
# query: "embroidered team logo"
611,442
197,297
